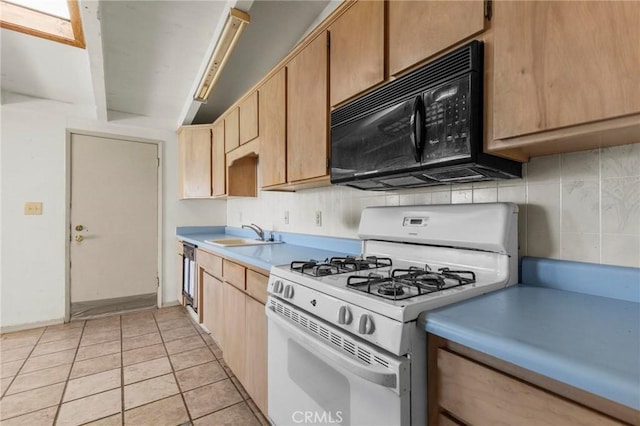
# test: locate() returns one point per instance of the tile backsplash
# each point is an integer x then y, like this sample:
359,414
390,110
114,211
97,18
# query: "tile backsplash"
582,206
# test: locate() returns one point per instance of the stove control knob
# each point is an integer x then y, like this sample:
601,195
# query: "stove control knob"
344,315
277,286
366,324
288,292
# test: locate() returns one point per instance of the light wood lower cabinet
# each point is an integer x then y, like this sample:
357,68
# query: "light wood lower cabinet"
255,365
233,334
213,307
234,313
464,388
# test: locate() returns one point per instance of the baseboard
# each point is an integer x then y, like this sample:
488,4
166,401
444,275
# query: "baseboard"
170,304
29,326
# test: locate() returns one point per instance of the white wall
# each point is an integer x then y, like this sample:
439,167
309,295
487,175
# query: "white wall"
33,168
582,206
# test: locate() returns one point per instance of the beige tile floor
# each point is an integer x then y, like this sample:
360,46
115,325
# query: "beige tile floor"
154,368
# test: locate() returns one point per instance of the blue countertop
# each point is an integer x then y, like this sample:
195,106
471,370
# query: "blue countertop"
584,339
293,246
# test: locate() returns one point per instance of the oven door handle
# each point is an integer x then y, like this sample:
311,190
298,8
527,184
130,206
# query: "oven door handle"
372,374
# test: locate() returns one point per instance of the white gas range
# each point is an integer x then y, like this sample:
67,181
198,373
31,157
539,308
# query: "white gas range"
345,342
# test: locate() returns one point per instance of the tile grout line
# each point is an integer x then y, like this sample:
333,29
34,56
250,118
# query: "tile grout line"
23,363
184,401
64,388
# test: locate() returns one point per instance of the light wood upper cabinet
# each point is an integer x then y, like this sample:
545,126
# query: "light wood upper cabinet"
255,367
249,118
194,144
232,130
273,128
218,175
560,64
307,112
420,29
356,50
234,338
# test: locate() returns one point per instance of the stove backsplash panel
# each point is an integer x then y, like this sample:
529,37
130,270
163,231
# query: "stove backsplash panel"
582,206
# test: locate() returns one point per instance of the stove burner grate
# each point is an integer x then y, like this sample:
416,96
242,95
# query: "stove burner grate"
339,265
412,282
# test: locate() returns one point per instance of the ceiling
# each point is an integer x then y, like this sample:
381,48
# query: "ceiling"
144,58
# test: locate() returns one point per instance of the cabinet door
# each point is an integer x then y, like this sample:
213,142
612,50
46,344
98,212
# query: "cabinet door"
307,112
560,63
249,118
462,386
213,306
273,127
195,147
356,50
232,130
233,337
256,354
219,165
421,29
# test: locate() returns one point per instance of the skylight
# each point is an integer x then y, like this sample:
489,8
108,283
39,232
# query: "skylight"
57,20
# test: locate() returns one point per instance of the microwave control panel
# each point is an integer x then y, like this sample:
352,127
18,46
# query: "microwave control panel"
447,121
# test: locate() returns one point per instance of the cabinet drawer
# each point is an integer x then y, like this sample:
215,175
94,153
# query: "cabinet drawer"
210,263
463,391
234,274
257,285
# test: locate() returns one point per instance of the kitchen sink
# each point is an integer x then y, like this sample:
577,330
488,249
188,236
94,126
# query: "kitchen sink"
235,242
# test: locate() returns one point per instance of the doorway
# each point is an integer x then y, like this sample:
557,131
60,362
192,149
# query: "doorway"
113,220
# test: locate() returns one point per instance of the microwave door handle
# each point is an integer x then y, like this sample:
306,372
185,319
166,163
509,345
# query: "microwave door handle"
369,373
417,128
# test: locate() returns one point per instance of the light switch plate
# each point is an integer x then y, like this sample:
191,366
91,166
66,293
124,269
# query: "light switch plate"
32,208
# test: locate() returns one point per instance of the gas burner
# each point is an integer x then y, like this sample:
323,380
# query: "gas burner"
411,282
390,289
339,265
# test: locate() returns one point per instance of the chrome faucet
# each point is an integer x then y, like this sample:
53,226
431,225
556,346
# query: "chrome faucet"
255,228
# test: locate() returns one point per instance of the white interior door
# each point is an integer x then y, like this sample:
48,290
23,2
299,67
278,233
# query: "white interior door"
114,224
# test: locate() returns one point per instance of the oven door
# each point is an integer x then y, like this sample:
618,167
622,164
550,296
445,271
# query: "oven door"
318,374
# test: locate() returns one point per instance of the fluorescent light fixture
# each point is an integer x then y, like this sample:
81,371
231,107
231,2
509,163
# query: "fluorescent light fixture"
233,28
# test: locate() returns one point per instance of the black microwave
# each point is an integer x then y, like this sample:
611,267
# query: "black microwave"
424,128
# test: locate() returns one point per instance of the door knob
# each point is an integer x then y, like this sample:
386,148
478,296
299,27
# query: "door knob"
79,228
79,238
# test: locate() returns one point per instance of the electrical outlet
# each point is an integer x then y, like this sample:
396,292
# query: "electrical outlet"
286,217
318,218
32,208
240,217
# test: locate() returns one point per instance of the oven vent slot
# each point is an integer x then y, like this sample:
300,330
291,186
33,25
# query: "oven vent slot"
364,355
336,339
349,347
324,333
381,361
